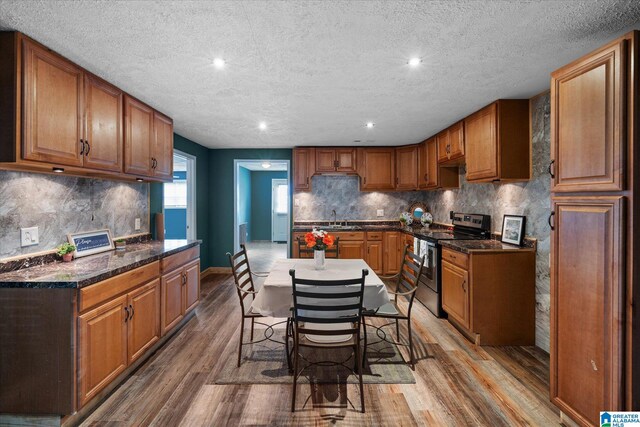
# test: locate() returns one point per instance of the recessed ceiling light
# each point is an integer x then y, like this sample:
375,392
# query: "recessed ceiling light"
139,179
369,125
262,125
414,62
58,170
266,165
219,63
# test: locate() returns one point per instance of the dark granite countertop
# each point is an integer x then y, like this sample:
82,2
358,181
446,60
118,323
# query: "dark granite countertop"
94,268
382,226
468,246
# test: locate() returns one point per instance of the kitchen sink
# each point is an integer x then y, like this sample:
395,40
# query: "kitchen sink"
341,227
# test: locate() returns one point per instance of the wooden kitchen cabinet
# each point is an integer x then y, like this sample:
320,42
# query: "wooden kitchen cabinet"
144,319
497,144
53,107
407,167
162,148
490,294
588,131
303,168
102,340
587,310
172,311
451,144
432,175
352,249
455,295
335,160
393,248
191,285
180,286
374,256
376,167
138,137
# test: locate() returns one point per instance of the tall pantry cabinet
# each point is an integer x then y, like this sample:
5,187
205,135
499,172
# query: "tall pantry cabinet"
594,277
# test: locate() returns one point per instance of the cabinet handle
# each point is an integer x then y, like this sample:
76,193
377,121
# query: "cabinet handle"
307,180
549,169
365,179
126,317
88,147
549,220
132,312
396,180
426,177
82,149
464,282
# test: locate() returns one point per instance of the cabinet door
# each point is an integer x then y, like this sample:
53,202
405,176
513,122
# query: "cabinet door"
392,252
138,137
443,146
378,172
374,256
144,320
455,295
162,153
432,164
456,141
302,171
588,122
102,344
345,160
171,300
587,294
407,168
325,160
423,166
481,144
352,249
191,285
52,122
103,125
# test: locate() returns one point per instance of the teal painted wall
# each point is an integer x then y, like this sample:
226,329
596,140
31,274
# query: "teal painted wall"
261,203
220,195
245,190
203,222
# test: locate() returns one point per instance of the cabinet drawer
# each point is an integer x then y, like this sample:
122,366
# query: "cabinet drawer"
456,258
374,235
176,260
349,235
107,289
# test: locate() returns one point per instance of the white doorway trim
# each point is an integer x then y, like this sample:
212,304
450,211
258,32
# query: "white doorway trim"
192,224
275,182
236,165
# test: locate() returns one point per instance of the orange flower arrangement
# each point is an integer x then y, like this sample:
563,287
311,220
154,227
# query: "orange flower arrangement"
319,240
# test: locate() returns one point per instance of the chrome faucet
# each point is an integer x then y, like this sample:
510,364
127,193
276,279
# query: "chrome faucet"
333,213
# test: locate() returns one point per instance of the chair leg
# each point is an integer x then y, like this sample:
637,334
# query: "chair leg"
240,343
295,374
364,349
359,361
397,330
286,345
413,360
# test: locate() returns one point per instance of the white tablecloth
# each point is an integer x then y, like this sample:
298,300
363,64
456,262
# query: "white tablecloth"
275,296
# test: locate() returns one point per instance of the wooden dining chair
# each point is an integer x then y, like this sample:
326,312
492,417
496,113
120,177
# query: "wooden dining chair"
327,302
307,252
405,287
243,279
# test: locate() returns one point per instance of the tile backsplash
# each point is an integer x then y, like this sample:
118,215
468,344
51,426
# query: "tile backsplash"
59,205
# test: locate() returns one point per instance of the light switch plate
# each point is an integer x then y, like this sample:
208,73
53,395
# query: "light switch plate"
137,227
380,212
29,236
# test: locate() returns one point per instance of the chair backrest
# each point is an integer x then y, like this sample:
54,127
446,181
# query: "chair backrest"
410,272
326,302
331,252
242,274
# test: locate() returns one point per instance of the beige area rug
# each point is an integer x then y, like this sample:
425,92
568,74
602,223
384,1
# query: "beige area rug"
266,363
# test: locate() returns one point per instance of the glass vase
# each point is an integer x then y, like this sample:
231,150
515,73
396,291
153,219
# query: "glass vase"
318,257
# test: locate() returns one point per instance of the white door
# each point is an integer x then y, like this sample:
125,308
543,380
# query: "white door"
279,210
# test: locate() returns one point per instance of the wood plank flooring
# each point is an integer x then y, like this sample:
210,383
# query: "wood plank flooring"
457,383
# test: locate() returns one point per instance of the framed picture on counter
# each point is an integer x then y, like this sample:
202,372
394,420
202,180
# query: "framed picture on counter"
93,242
513,227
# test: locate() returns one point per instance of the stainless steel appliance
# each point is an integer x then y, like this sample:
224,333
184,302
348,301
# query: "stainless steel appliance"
427,245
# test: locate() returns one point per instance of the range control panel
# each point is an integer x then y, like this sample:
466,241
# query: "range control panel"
476,221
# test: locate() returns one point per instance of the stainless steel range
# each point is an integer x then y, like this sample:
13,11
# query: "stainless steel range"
465,227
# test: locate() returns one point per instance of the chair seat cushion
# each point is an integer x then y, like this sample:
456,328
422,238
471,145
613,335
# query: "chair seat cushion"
389,309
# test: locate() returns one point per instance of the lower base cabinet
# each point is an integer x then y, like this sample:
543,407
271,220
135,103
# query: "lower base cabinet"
144,319
455,298
180,292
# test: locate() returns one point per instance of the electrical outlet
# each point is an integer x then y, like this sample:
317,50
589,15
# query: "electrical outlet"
29,236
380,212
137,227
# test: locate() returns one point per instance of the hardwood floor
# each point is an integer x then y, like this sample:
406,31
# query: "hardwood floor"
457,383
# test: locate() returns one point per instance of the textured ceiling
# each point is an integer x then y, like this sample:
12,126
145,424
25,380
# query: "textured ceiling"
315,72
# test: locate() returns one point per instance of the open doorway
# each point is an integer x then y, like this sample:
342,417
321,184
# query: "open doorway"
262,210
179,199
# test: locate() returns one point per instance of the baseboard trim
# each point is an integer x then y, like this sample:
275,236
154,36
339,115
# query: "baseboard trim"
215,270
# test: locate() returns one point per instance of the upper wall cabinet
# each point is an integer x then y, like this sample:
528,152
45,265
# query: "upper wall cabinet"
431,175
376,167
451,144
55,114
303,168
341,160
407,168
589,118
497,144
